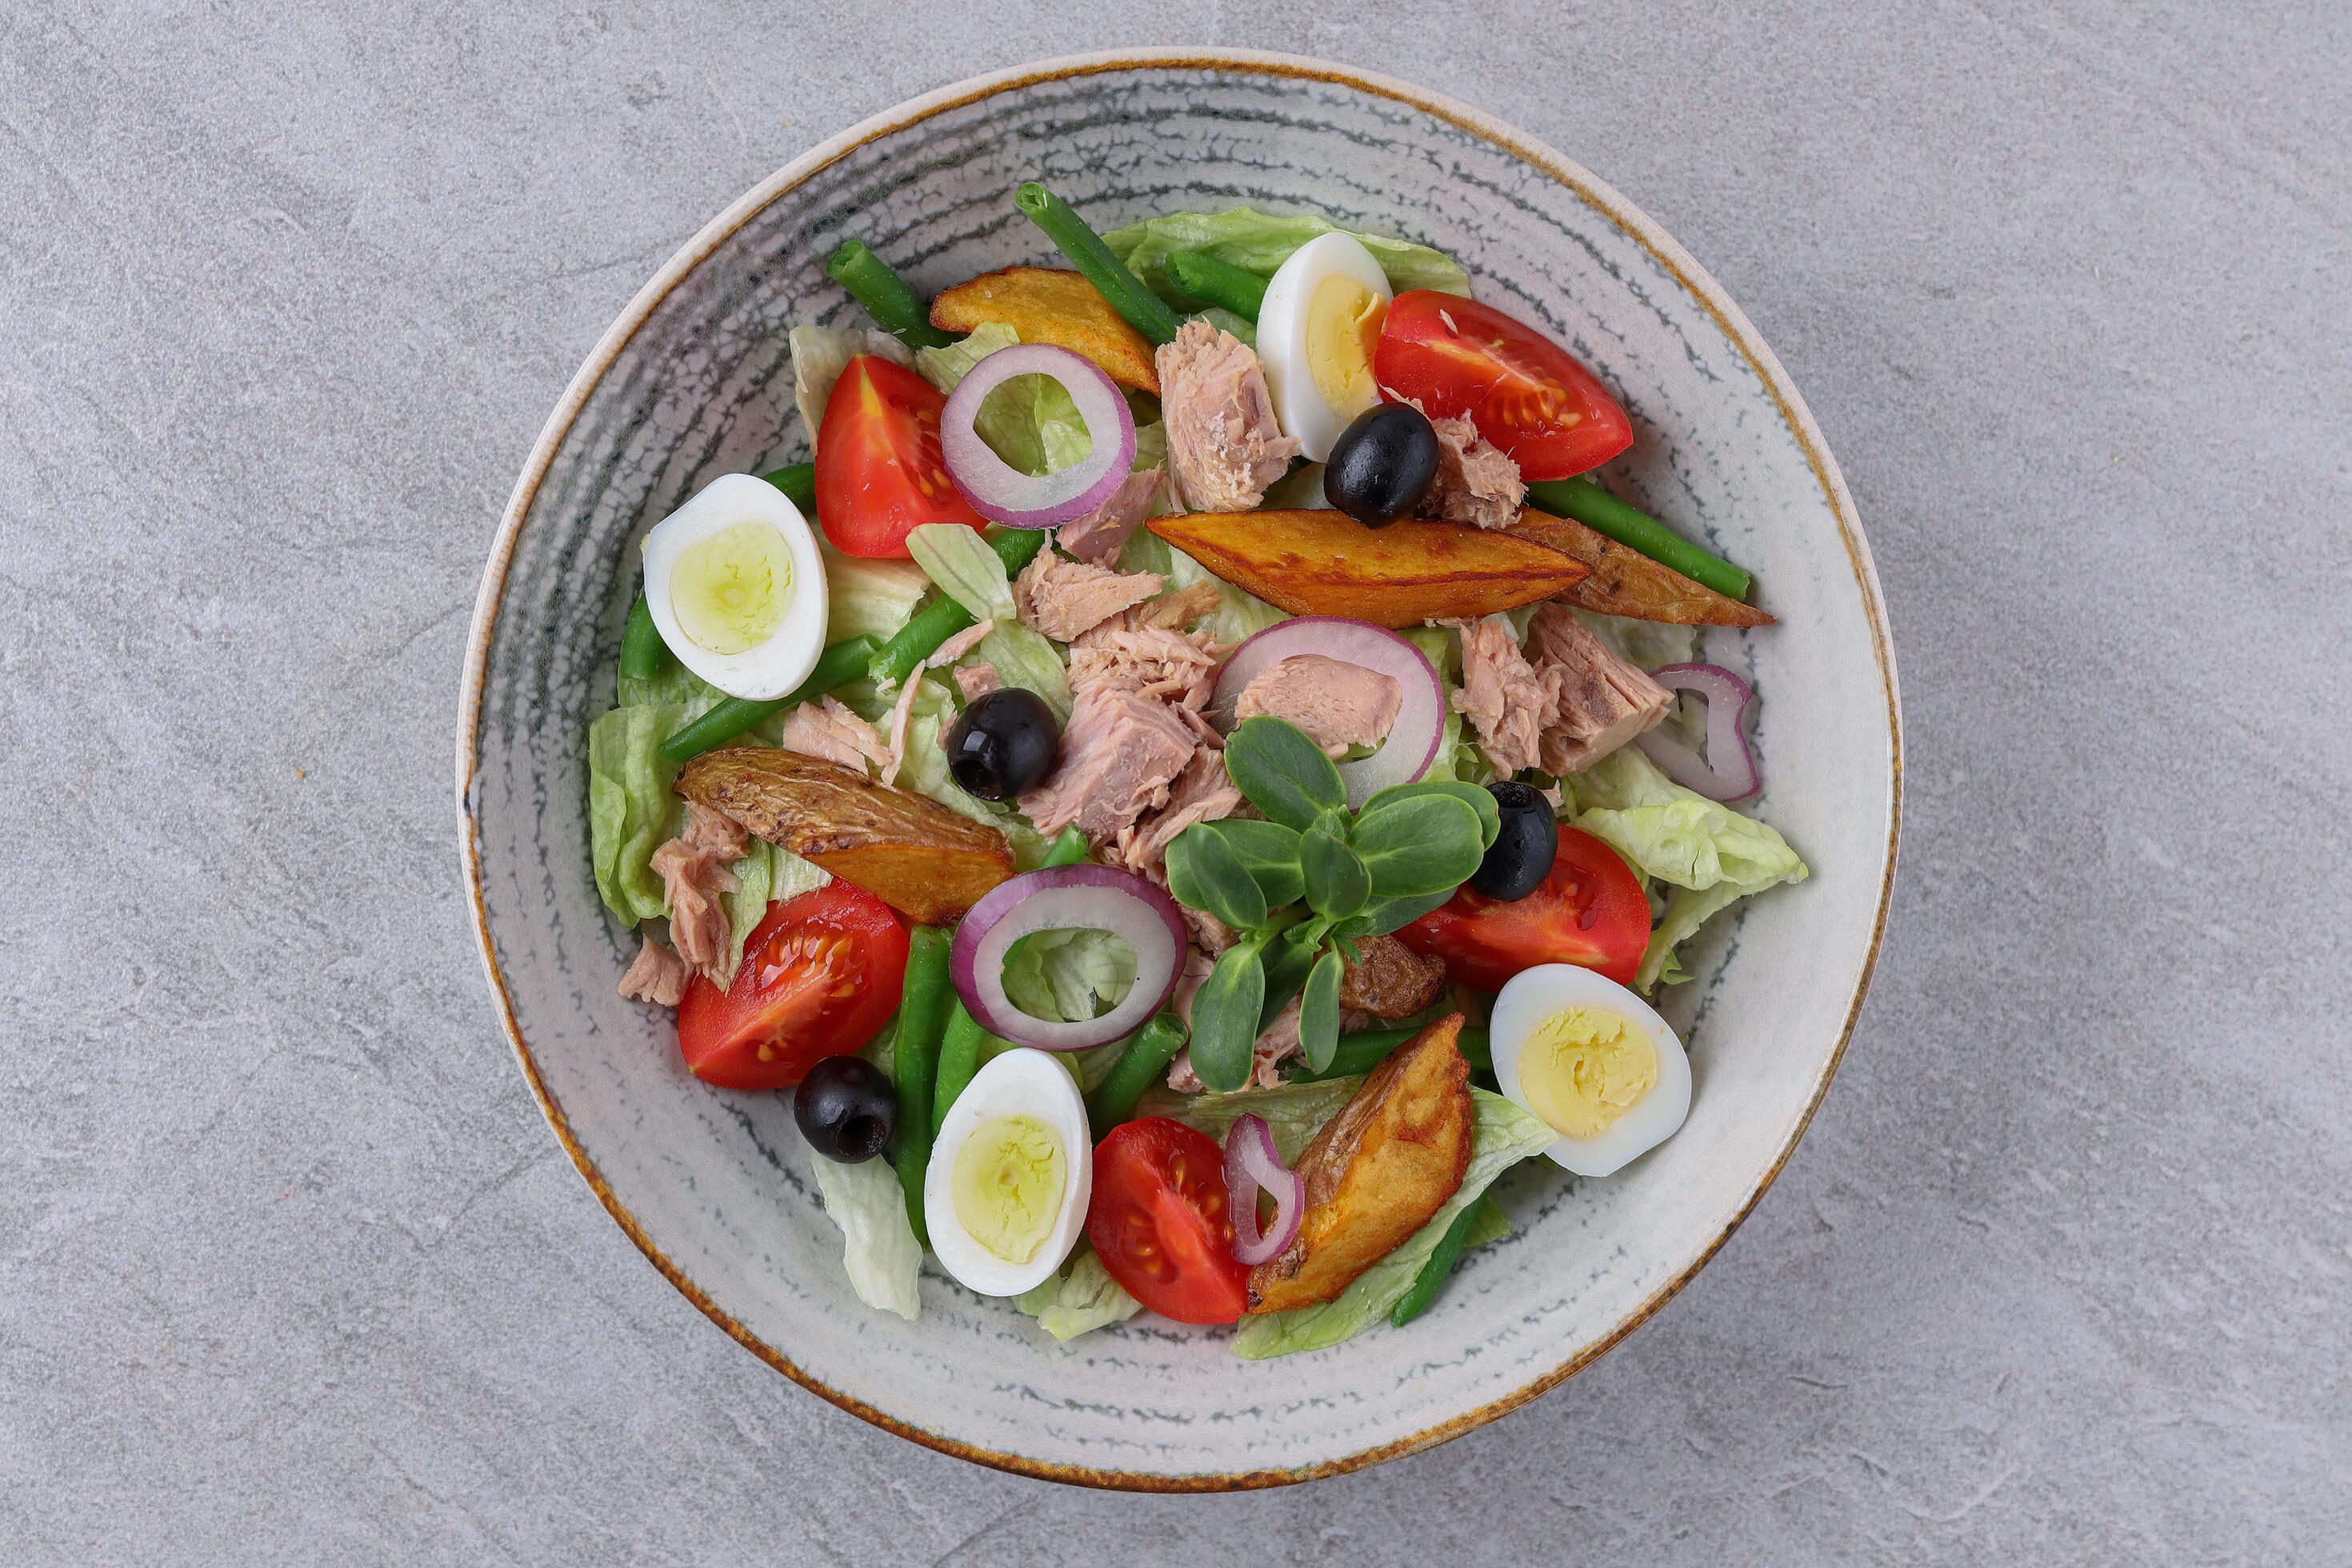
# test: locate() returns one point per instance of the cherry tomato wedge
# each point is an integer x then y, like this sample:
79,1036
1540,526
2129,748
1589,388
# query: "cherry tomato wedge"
821,974
1161,1222
879,474
1590,911
1459,358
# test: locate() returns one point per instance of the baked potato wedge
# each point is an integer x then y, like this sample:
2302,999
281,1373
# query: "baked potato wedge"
1625,582
1378,1171
1047,306
908,850
1327,564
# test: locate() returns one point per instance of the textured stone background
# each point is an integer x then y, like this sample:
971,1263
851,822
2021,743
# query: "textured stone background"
289,1266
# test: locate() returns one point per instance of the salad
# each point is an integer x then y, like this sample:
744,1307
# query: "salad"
1190,784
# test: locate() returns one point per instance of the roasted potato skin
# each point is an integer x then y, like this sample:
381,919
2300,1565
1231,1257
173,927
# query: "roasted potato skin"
909,851
1378,1171
1393,982
1044,305
1315,562
1625,582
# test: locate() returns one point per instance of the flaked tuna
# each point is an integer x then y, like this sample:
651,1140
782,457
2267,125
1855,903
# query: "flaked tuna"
1602,701
1339,705
1223,441
693,868
656,974
1065,599
1099,537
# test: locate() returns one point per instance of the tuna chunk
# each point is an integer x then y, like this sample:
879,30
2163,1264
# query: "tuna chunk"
1153,662
1339,705
1393,982
656,974
1477,482
956,646
830,732
1508,701
1065,599
1223,438
1602,701
1120,751
1099,537
693,869
975,681
1202,792
1277,1044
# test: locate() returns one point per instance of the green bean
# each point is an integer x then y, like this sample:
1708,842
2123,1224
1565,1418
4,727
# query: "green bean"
798,481
1435,1273
1636,530
895,307
943,617
915,1060
839,665
641,644
1215,283
1363,1052
958,1060
1095,264
1138,1067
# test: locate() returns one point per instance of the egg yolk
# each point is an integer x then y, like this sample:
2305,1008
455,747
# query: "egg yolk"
1583,1068
1007,1185
1343,327
729,591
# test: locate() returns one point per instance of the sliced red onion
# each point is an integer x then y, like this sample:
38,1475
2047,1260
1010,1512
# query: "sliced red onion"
1003,493
1069,897
1419,725
1252,1163
1728,771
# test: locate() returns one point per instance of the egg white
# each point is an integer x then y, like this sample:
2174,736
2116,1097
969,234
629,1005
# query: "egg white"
1534,995
1023,1081
1298,402
776,666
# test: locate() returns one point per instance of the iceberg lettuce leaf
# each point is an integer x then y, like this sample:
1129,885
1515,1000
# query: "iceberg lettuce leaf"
1261,242
878,1240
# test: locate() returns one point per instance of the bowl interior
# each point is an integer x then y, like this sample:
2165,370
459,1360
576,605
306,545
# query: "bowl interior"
695,381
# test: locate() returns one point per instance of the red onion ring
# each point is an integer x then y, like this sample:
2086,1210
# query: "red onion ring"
1728,771
1252,1163
1419,725
1001,492
1064,898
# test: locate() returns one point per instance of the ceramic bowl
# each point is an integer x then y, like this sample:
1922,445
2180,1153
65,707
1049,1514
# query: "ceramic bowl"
693,382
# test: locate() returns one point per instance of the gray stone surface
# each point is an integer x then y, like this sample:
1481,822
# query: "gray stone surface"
289,1266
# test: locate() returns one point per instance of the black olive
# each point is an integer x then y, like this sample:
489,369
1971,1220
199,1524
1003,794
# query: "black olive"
1003,745
1383,465
1523,852
846,1109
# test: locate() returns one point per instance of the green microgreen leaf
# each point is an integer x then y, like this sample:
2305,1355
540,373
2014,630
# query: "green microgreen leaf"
1318,1012
1425,844
1385,915
1224,1018
1478,798
1205,873
1336,883
1288,960
1270,852
1284,773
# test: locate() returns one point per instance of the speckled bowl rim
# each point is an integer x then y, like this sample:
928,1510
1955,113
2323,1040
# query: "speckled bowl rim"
1596,193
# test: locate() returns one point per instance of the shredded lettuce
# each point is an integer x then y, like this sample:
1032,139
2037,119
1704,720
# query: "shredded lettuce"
1649,644
925,770
1069,976
966,570
1239,615
1300,489
631,810
1710,854
869,598
1030,421
1082,1297
1505,1135
1262,242
1488,1224
819,356
1224,320
878,1240
1294,1112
